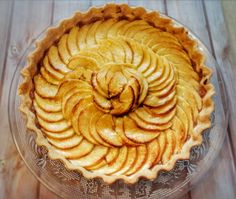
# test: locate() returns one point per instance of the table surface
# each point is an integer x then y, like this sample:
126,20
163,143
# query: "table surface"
21,21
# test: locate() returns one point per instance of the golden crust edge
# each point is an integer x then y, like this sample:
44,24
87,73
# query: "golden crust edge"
54,33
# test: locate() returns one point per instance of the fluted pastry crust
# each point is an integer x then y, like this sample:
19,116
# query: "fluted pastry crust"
117,93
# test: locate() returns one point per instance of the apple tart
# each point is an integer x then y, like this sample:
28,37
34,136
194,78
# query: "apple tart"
117,93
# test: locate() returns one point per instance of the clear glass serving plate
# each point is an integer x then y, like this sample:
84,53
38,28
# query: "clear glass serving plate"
71,184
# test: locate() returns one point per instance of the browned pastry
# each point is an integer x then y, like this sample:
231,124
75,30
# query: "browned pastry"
117,93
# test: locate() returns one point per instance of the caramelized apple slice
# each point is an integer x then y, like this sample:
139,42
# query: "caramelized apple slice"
116,165
120,132
98,78
170,146
103,28
84,122
183,118
47,116
123,29
53,72
134,133
140,160
72,41
143,66
92,158
105,128
152,66
54,126
81,36
112,155
92,53
49,105
82,149
62,49
98,165
130,160
90,39
115,28
44,88
48,77
137,52
82,61
133,30
62,135
56,61
66,143
101,101
162,142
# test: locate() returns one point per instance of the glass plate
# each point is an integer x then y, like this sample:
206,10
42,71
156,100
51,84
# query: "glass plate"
71,184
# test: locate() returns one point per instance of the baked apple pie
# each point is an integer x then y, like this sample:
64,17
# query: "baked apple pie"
117,93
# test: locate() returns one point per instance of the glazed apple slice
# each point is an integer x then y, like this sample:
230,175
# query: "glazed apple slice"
143,66
105,52
116,165
83,103
185,70
148,126
90,39
178,130
130,160
158,72
152,66
101,101
112,155
66,143
114,30
82,149
92,158
55,60
92,53
59,126
92,128
82,35
98,82
47,116
133,30
98,165
62,135
84,122
44,88
181,115
116,84
48,105
53,72
141,35
48,77
161,45
162,142
72,41
103,28
170,146
173,51
123,29
105,128
137,52
120,131
136,134
63,50
82,61
127,49
152,153
140,160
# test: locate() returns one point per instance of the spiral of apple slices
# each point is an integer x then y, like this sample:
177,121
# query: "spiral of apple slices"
117,97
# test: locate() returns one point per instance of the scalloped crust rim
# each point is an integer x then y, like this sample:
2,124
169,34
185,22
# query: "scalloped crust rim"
122,11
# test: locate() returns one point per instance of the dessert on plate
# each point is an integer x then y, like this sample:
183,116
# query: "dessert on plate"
117,93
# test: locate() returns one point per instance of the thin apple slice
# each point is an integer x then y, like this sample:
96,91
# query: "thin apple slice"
161,45
152,100
152,118
84,122
92,158
101,101
83,103
128,51
140,160
90,39
49,105
103,28
148,126
55,60
152,66
140,36
106,53
152,153
105,128
158,73
178,130
72,41
82,149
143,66
130,160
53,72
122,30
62,135
170,146
120,131
163,109
137,52
44,88
70,104
184,119
82,35
66,143
126,100
48,77
92,128
162,142
116,165
112,155
96,86
98,165
54,126
92,53
63,50
82,61
134,133
47,116
115,28
132,31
